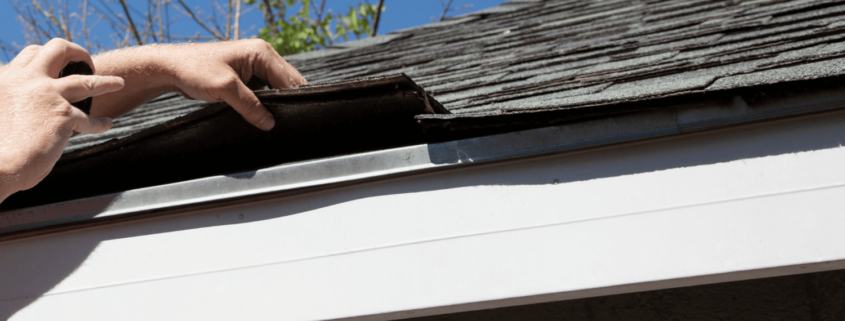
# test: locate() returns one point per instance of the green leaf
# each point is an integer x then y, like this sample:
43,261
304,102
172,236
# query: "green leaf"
302,32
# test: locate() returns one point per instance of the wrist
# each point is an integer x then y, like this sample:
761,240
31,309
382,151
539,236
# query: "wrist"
160,67
9,180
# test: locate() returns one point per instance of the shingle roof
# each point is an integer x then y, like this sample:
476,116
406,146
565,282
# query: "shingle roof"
534,56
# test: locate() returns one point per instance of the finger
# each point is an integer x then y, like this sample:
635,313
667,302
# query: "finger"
90,125
244,102
25,56
56,54
278,72
78,87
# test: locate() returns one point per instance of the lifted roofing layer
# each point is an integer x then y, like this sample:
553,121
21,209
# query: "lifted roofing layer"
311,122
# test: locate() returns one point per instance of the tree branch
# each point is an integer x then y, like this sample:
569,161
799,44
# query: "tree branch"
131,24
198,20
237,23
160,22
229,18
268,17
49,15
85,30
377,17
445,9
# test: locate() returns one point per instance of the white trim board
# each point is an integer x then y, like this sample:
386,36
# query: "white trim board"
732,204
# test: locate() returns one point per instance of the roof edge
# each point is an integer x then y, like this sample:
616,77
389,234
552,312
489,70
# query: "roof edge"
307,176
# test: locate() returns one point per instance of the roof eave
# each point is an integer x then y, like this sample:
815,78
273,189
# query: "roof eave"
312,175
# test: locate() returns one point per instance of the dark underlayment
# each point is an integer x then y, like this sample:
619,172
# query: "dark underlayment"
532,57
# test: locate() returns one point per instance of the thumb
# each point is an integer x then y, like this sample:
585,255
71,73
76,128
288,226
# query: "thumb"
86,124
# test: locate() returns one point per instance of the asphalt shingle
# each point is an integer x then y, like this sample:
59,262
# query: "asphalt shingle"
540,56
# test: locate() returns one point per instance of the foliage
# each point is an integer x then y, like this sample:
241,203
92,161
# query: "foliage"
310,28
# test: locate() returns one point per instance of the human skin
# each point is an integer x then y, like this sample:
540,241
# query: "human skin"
210,71
38,119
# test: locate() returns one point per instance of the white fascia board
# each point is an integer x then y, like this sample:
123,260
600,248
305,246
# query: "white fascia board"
747,202
303,177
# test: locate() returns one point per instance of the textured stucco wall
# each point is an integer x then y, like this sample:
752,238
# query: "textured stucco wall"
815,296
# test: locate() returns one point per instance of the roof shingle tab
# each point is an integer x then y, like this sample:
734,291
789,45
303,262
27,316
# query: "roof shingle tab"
539,56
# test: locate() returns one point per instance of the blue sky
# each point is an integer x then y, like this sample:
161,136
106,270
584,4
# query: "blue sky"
400,14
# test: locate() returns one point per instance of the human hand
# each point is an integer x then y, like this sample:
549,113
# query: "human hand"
37,117
215,72
227,68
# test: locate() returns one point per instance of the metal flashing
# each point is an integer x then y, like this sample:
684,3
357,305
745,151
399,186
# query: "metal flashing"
411,160
313,121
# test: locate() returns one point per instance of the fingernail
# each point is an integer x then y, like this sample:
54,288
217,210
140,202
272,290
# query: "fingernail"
292,83
267,123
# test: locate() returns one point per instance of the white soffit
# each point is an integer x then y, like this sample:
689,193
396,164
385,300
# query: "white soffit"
748,202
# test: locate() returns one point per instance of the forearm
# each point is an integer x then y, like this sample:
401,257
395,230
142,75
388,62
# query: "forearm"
145,75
